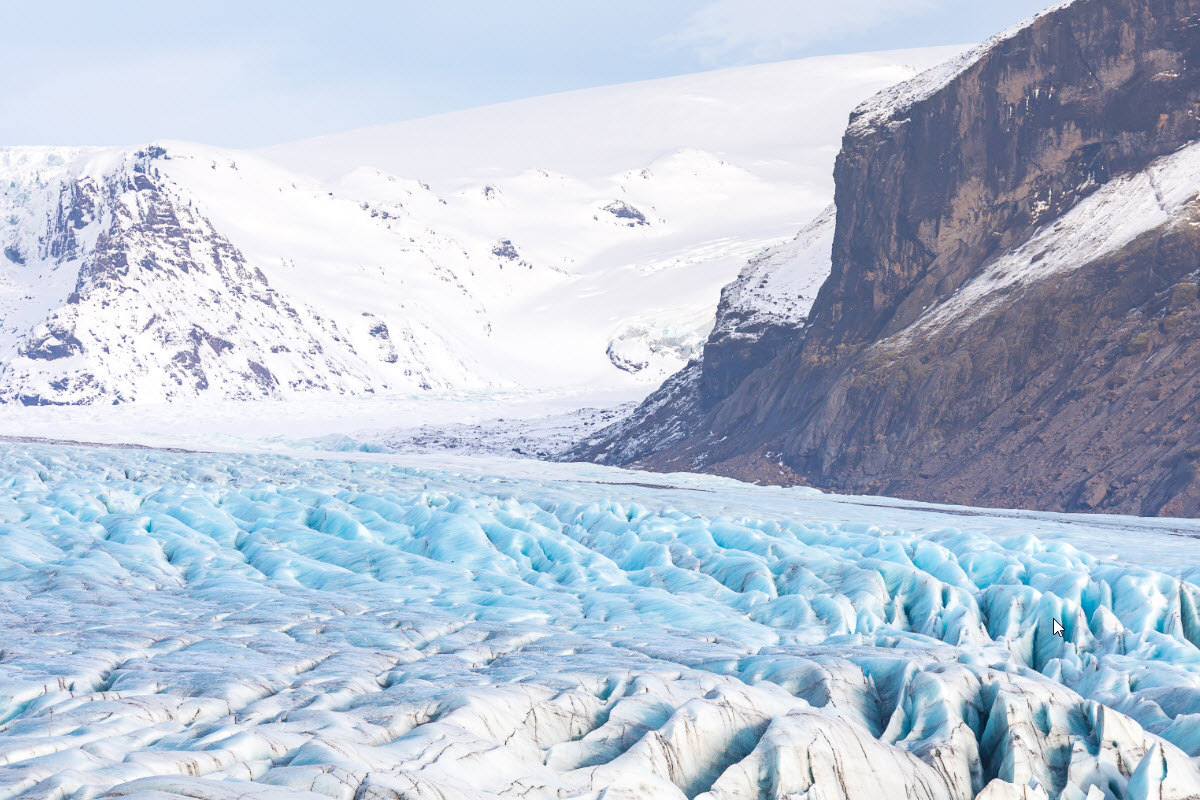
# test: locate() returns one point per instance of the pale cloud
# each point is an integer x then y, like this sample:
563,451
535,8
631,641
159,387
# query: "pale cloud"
765,30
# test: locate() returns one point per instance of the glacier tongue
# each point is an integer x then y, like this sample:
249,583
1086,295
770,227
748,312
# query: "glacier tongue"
248,626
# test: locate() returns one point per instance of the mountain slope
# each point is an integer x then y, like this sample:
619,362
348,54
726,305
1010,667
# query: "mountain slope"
175,271
1010,315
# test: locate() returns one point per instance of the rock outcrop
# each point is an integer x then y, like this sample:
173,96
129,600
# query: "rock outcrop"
1011,316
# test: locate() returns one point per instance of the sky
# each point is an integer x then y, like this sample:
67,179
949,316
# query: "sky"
250,73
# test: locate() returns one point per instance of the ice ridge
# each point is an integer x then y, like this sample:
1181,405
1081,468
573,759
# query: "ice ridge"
229,626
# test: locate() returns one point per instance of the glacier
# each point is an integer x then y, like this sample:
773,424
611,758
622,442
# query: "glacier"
367,626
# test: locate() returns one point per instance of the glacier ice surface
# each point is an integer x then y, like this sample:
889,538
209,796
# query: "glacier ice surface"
260,627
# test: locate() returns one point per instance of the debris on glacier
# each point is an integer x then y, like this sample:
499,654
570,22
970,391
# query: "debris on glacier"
543,437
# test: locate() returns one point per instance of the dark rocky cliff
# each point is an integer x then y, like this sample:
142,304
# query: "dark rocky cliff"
1073,391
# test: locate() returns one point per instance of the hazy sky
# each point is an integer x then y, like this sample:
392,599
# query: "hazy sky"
256,72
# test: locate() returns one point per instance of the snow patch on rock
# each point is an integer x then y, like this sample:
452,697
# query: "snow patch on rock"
1105,221
779,286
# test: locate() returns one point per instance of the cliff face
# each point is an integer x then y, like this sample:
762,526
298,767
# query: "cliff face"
1010,317
927,192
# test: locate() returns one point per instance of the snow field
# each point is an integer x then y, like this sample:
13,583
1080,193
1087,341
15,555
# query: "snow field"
576,242
233,626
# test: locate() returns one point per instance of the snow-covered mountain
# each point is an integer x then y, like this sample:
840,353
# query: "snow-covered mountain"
571,241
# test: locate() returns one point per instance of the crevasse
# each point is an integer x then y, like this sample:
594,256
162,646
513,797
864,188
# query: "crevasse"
245,626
